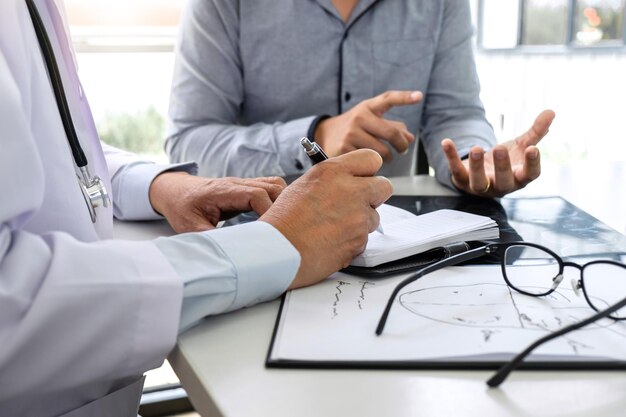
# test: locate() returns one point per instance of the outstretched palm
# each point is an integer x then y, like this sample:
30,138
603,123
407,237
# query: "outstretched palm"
507,167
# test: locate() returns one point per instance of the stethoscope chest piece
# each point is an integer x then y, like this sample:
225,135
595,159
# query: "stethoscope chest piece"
94,192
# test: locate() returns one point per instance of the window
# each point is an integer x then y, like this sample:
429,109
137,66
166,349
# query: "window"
500,23
125,55
556,24
545,22
123,25
599,22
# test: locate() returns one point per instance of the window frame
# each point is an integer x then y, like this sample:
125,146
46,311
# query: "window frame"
134,38
569,47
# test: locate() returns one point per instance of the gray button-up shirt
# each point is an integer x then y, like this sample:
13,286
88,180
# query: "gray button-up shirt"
251,76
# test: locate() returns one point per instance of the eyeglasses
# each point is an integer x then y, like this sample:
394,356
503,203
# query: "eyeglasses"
535,270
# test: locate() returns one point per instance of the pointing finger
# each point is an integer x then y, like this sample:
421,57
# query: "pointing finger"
382,103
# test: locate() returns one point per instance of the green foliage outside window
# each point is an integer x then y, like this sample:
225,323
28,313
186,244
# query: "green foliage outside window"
545,22
141,132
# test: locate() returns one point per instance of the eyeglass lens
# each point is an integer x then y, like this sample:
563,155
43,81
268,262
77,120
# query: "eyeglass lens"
530,270
534,271
605,285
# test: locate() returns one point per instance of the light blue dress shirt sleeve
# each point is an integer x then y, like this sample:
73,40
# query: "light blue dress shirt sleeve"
230,268
131,185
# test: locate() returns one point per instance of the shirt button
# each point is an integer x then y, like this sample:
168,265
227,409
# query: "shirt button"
299,165
347,96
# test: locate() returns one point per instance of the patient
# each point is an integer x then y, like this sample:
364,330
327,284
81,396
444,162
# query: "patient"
252,78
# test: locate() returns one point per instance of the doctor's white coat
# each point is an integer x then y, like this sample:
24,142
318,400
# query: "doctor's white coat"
75,306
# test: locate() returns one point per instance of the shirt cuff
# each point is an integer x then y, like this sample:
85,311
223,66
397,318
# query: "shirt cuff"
131,186
293,158
313,126
265,261
229,268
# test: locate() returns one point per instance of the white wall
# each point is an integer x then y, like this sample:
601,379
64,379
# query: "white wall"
588,93
586,90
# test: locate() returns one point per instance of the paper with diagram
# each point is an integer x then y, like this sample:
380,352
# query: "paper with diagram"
455,314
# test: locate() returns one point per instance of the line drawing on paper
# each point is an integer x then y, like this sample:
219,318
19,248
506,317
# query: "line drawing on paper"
462,305
488,333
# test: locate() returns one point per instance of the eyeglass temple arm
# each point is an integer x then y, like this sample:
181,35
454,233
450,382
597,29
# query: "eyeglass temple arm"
504,372
452,260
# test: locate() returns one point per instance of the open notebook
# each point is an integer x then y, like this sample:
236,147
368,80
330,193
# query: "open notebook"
406,234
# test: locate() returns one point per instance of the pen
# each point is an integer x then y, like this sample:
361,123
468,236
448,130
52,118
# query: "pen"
316,154
314,151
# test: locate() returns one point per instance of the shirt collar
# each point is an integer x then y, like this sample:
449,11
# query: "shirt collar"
361,7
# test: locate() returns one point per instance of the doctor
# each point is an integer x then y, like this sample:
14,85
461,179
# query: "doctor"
83,316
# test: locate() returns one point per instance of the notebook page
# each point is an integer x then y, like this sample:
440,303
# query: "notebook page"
408,235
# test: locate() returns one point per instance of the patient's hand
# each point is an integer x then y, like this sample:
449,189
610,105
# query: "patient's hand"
507,167
365,126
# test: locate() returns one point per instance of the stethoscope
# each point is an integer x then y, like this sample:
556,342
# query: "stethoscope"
92,187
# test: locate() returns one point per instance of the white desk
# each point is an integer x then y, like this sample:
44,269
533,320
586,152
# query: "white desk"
221,365
596,187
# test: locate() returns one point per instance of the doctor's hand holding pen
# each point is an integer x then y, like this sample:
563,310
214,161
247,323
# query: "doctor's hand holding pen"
328,213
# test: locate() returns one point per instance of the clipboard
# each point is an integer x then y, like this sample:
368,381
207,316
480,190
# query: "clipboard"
323,327
597,237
